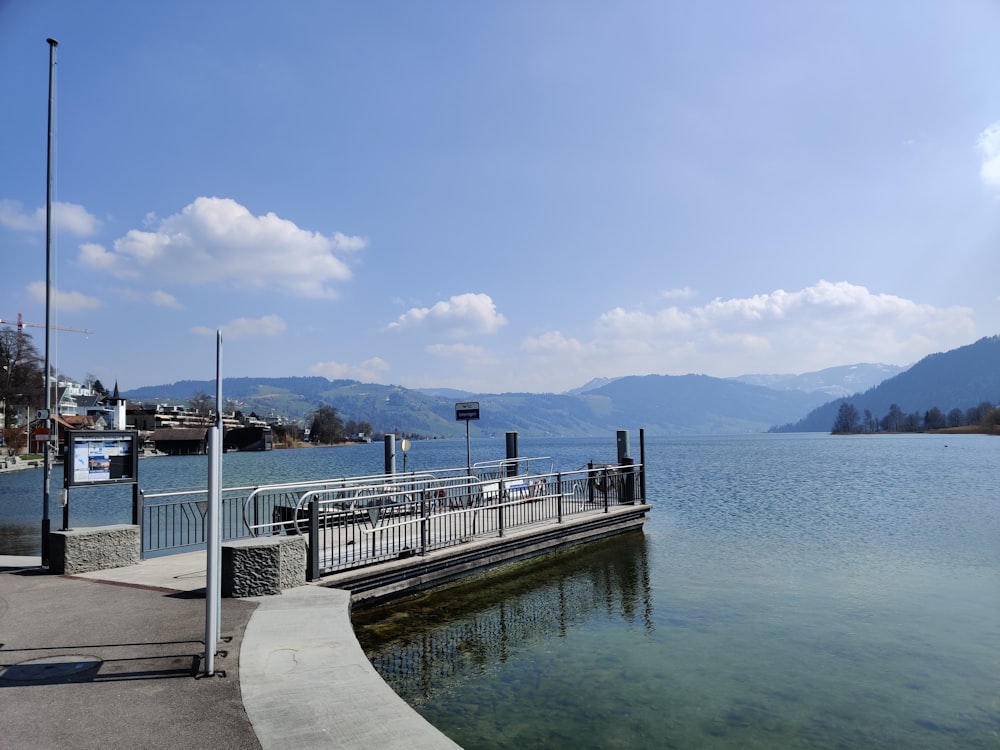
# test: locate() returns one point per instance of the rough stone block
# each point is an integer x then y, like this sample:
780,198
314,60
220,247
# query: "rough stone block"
293,561
251,567
96,548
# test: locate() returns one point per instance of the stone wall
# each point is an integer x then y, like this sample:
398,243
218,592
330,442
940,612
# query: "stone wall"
97,548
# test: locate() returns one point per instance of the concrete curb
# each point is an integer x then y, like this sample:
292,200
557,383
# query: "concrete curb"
307,684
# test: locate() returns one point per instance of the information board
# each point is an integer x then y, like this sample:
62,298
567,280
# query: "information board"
101,457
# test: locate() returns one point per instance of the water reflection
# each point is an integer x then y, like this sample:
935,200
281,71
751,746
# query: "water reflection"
445,636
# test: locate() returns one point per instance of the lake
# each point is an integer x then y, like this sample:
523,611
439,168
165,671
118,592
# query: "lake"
787,591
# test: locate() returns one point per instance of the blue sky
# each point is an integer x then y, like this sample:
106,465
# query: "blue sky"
502,196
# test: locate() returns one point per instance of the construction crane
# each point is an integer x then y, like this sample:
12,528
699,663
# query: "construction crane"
21,323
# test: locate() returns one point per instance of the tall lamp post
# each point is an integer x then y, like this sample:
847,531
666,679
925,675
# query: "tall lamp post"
47,422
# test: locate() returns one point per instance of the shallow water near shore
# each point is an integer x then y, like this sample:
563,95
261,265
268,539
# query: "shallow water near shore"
787,591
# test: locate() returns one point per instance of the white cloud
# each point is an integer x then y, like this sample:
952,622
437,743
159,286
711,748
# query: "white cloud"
678,293
164,299
460,315
368,371
66,217
823,325
243,328
96,256
670,319
217,240
552,342
64,301
989,145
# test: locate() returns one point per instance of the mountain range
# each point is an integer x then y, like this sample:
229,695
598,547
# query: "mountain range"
662,404
959,379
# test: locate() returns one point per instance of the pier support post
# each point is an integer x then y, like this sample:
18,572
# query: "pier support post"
512,454
390,454
624,450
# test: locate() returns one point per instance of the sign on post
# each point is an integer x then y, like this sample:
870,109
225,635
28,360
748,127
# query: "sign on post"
466,410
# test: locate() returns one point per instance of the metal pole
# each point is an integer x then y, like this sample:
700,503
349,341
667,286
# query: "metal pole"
213,601
138,514
211,610
642,460
220,435
46,457
468,449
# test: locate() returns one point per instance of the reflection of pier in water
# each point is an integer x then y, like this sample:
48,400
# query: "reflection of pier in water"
457,632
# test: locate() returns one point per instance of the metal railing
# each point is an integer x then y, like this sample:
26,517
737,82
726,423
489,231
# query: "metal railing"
171,521
357,521
405,517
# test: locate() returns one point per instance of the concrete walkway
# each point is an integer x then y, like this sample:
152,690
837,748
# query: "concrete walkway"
85,664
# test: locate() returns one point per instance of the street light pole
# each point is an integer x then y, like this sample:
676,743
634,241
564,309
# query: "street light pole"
47,422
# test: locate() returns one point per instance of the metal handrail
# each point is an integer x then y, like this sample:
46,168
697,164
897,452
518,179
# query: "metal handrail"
417,526
453,494
340,484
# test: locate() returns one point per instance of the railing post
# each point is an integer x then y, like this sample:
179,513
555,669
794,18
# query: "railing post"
642,461
256,512
138,512
559,496
423,522
501,505
591,481
312,565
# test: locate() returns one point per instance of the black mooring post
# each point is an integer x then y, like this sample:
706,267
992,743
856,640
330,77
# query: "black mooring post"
512,454
389,448
624,449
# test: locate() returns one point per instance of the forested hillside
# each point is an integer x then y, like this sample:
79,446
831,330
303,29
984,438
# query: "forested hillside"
961,379
688,404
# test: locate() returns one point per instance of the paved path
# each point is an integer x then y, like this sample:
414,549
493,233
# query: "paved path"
85,664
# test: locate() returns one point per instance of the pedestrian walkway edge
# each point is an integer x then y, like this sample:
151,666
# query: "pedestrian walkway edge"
307,684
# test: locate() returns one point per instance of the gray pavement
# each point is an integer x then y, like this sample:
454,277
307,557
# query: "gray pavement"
113,660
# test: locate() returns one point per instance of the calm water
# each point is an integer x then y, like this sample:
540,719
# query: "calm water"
788,591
